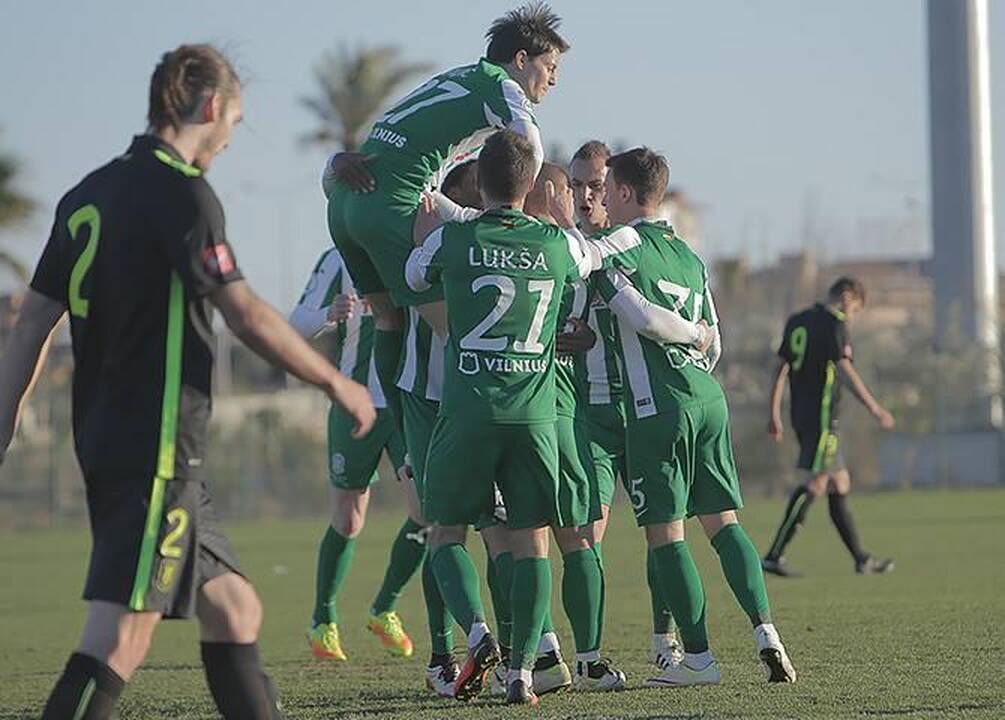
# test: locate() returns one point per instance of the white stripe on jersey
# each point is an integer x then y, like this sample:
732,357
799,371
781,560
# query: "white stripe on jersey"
434,374
637,373
596,362
419,260
406,381
350,344
373,384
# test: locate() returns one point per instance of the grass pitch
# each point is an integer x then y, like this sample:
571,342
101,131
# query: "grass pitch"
924,642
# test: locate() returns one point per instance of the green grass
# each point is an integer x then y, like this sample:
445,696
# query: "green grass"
924,642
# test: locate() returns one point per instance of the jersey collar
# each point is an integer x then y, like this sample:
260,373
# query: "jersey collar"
834,311
651,221
165,153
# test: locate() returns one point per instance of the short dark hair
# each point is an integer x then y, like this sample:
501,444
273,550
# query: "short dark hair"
847,284
593,150
181,81
533,27
506,166
644,171
455,178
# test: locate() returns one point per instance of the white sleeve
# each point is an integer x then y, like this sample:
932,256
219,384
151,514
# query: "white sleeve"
648,319
453,212
310,316
522,120
419,260
583,255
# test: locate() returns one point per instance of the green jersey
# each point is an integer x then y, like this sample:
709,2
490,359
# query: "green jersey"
570,380
354,336
446,120
669,274
421,371
502,277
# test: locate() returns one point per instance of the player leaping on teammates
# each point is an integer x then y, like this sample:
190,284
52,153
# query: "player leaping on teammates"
502,277
329,305
815,355
680,459
599,370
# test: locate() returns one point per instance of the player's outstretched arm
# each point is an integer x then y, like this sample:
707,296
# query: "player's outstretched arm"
775,426
860,391
657,323
265,332
23,358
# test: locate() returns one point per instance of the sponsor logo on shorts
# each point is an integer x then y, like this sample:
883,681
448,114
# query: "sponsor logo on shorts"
338,465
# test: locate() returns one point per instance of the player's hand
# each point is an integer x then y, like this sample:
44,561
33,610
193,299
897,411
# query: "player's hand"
351,168
343,307
707,336
885,418
405,473
576,338
355,401
427,218
560,205
776,430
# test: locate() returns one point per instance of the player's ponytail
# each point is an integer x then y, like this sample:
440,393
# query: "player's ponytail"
182,80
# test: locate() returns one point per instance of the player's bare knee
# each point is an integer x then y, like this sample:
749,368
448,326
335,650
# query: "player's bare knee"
442,535
229,610
386,315
574,539
530,543
349,512
839,483
712,524
817,485
664,533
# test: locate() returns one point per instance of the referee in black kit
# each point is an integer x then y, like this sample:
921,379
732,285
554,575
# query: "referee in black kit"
138,256
816,356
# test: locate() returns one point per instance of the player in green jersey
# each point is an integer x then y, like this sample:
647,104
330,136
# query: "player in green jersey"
600,370
501,276
329,305
680,459
443,122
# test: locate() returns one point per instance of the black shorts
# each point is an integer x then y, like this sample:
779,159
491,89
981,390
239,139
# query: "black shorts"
154,547
819,452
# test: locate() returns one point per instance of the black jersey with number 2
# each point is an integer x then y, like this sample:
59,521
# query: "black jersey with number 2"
814,341
135,249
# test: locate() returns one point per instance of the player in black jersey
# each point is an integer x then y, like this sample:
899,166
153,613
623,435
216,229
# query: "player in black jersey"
816,356
138,256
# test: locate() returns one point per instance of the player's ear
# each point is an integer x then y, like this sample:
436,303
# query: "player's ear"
211,107
520,59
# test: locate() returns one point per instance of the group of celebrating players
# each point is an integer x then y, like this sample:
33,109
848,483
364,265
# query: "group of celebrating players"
514,335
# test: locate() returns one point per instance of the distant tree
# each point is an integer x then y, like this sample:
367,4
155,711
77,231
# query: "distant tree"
354,87
14,207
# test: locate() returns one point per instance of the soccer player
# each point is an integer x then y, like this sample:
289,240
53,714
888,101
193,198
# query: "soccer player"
139,256
502,276
605,406
680,459
413,146
815,355
329,304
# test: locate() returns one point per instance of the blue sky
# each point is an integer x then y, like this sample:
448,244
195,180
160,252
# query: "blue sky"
777,115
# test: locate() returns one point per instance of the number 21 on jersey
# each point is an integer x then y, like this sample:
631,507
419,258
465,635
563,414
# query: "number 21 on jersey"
530,345
89,217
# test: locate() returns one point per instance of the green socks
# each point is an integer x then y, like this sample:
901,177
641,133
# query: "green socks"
582,597
334,559
681,585
530,605
387,347
500,580
742,567
407,552
441,624
662,617
459,585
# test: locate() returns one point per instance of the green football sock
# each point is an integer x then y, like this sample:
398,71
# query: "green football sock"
387,347
603,592
407,552
742,567
681,584
334,559
459,586
662,617
582,597
500,579
547,626
441,623
531,601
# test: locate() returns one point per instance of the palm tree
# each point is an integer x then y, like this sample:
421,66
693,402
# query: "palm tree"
14,207
353,88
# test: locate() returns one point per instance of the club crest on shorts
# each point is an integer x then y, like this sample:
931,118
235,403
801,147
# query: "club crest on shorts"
167,572
338,464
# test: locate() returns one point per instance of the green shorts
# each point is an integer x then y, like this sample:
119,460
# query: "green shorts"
606,424
352,463
418,420
680,463
578,492
466,457
373,232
